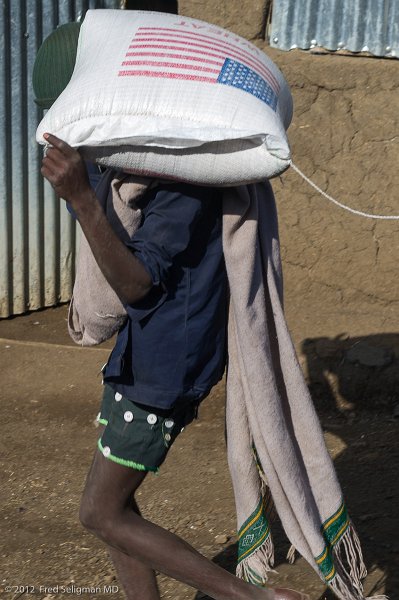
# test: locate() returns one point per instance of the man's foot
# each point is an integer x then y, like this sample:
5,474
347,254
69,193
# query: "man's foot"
267,593
286,594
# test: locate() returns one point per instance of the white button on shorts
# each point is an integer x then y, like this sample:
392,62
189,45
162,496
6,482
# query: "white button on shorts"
169,423
128,416
118,396
168,437
106,451
152,419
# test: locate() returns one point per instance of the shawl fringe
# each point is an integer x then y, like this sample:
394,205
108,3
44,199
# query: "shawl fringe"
349,567
291,555
255,567
348,563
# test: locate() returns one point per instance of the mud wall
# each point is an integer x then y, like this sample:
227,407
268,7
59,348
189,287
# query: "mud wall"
245,17
341,270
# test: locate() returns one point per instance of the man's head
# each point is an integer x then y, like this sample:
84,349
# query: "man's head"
54,64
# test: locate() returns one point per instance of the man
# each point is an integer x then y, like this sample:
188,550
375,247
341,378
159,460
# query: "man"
171,280
179,238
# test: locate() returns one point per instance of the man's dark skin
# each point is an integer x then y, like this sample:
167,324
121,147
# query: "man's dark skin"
108,508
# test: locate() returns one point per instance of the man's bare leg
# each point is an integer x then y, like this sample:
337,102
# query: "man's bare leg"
137,579
106,511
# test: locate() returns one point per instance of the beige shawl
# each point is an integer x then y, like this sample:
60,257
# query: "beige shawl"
275,443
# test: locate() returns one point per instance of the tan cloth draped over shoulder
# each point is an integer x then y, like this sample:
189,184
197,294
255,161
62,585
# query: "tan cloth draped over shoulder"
95,312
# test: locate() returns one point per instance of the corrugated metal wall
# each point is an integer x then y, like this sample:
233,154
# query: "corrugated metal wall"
354,25
37,235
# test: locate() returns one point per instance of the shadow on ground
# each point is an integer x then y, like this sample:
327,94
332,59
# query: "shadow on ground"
353,373
354,383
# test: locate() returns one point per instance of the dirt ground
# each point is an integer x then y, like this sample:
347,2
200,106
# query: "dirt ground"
342,295
49,399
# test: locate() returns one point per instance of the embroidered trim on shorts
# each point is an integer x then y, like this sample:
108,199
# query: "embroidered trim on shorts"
126,463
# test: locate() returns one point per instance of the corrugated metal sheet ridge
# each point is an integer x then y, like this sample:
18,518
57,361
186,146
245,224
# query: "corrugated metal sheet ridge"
37,236
5,206
353,25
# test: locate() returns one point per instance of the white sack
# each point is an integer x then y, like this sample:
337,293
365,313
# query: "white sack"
167,96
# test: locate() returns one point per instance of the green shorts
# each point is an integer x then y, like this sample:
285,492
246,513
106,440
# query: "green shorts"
136,435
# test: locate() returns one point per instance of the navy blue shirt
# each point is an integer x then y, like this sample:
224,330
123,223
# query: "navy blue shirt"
172,347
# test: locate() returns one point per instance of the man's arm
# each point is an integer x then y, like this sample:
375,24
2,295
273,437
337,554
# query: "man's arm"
64,168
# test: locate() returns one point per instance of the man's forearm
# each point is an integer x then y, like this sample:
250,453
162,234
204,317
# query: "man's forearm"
123,271
64,168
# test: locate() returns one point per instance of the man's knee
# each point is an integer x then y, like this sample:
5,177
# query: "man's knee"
101,519
108,493
95,516
90,514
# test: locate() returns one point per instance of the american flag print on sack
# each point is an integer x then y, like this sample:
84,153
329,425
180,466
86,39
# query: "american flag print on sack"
187,55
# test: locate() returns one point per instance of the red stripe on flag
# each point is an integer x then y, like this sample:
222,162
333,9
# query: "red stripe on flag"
166,75
223,57
204,37
218,63
154,63
235,54
186,35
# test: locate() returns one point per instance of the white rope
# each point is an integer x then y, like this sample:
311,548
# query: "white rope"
352,210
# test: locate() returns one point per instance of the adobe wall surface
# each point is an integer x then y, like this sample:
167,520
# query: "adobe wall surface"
245,17
341,270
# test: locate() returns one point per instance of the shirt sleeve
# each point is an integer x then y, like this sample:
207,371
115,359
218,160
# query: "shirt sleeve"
170,219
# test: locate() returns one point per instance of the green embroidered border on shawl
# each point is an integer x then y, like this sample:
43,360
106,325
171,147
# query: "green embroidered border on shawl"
253,532
332,529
